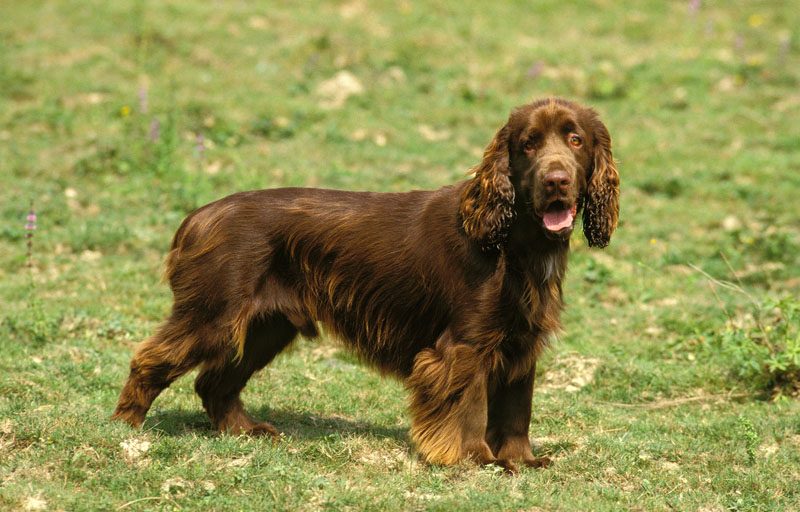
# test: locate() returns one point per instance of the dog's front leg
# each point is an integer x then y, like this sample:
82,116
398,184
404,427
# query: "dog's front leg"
449,405
510,418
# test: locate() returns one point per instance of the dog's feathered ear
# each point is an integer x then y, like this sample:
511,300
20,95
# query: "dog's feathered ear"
487,201
601,205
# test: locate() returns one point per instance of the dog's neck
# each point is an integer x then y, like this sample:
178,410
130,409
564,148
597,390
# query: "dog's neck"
534,267
530,250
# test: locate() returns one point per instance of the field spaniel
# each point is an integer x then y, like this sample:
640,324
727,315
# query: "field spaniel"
455,291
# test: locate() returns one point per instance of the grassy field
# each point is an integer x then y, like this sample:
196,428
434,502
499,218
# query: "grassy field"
670,389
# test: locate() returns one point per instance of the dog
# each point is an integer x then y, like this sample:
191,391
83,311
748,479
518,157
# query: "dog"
455,291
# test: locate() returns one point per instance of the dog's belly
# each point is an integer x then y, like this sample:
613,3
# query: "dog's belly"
386,330
386,315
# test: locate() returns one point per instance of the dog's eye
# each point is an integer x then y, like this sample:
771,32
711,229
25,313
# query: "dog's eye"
575,140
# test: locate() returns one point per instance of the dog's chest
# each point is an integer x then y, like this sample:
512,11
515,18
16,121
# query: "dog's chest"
540,304
536,319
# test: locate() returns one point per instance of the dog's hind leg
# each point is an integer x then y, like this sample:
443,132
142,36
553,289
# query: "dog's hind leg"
173,350
220,383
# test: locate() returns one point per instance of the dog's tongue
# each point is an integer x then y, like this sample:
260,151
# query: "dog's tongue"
558,220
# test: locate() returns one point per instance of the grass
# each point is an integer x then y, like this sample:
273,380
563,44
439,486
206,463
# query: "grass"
118,118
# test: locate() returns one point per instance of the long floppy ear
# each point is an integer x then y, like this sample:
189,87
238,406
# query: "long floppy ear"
601,208
487,201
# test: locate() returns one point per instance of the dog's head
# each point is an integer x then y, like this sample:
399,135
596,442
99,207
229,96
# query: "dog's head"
551,159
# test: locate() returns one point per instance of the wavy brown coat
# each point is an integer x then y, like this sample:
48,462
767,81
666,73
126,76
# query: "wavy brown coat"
455,291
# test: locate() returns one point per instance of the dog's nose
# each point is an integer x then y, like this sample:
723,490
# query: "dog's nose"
557,181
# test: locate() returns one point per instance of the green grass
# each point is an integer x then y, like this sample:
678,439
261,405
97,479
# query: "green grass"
639,406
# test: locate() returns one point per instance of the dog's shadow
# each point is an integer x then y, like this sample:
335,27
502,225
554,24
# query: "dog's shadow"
292,423
305,426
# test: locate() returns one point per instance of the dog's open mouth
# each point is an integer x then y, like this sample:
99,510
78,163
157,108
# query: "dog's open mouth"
558,216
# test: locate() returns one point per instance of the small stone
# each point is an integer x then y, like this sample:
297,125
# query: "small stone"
431,134
89,255
731,223
335,91
358,135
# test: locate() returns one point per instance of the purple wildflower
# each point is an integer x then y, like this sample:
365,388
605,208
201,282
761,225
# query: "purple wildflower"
30,227
785,46
155,130
31,222
535,70
738,43
694,7
200,146
143,100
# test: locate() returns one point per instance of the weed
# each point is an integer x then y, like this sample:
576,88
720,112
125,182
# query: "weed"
33,324
762,342
764,346
750,436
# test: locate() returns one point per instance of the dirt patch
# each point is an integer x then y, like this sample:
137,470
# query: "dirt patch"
324,350
175,487
35,503
391,458
7,438
134,450
570,373
240,462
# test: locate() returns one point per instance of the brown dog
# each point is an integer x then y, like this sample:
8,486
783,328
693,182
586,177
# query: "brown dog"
456,291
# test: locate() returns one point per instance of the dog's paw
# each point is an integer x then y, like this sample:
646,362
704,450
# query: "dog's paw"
263,429
507,465
538,462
